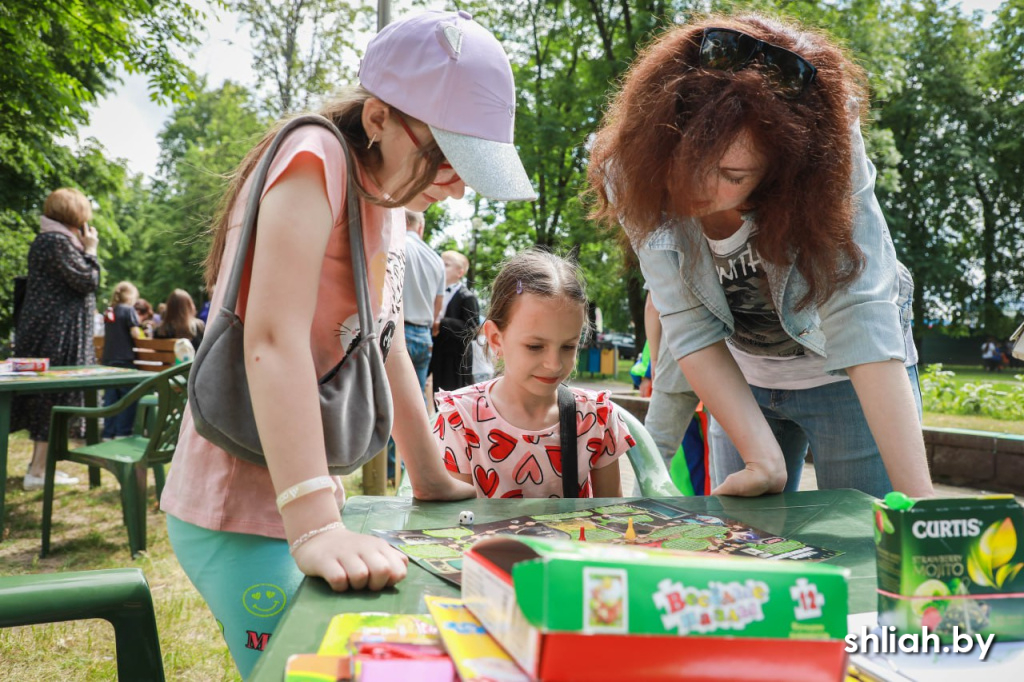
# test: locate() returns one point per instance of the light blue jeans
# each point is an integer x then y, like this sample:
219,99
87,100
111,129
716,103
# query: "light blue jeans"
831,421
420,345
246,580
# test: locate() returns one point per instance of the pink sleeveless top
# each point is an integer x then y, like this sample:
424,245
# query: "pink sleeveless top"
208,487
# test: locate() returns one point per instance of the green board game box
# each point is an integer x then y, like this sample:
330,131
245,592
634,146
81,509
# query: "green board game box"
531,591
951,563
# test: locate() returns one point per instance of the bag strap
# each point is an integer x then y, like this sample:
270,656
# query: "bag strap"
355,228
567,430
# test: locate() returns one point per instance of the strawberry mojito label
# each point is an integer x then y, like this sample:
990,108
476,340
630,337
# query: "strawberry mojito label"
950,565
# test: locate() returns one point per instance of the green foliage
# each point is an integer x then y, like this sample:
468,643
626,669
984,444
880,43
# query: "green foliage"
956,213
300,70
943,394
59,57
943,133
201,145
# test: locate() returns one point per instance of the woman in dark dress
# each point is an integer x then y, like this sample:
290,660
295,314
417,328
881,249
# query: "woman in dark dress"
56,320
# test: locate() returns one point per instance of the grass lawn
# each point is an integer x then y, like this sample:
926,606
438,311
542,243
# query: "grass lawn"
1002,381
88,533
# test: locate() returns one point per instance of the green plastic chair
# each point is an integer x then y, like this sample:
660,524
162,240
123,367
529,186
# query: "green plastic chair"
405,487
120,596
127,458
645,458
651,473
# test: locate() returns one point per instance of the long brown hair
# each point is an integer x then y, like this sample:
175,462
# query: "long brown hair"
346,111
672,121
180,316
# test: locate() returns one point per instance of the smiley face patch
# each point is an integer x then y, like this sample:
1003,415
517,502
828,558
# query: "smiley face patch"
264,600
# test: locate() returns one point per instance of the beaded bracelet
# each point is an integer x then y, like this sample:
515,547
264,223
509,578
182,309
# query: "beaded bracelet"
309,535
304,488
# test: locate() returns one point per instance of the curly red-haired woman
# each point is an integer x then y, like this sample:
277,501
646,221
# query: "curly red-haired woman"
733,159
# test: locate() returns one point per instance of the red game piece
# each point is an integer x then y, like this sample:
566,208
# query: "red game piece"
583,535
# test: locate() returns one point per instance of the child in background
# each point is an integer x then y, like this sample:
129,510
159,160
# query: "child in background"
503,435
120,327
180,321
144,311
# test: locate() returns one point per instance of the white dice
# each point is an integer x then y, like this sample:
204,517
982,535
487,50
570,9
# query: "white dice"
466,518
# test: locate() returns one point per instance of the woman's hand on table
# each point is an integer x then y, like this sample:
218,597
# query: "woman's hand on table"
352,561
756,478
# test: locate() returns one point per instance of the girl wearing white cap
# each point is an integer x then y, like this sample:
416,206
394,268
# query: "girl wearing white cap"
434,113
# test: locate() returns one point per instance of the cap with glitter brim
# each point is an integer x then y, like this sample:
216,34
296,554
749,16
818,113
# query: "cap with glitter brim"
448,71
492,169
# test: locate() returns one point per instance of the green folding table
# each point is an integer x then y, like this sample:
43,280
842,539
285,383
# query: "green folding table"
832,519
58,380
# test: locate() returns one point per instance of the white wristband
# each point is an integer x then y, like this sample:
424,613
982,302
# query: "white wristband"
302,539
305,488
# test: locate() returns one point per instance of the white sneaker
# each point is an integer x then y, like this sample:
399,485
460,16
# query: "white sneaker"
36,482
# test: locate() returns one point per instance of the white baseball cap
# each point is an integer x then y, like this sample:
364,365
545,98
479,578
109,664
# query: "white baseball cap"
451,73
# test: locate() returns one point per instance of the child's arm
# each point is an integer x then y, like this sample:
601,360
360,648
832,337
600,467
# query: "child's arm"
412,430
135,329
283,381
453,444
607,481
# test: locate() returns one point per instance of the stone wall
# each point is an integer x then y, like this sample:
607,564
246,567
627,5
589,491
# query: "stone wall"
977,459
974,459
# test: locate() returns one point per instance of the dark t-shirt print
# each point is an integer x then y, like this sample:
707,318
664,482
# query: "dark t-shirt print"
758,328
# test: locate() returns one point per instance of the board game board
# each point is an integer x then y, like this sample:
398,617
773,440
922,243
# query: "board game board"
656,524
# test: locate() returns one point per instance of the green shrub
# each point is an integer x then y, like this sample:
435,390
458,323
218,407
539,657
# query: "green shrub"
943,394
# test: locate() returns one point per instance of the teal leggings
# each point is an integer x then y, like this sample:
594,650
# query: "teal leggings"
246,580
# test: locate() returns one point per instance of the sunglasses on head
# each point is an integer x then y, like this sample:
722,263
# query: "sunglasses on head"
446,175
725,49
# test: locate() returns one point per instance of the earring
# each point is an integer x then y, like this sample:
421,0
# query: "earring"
373,139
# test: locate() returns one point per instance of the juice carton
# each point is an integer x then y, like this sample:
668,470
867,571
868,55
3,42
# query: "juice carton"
945,563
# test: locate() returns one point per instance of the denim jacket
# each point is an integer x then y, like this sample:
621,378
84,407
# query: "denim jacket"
866,321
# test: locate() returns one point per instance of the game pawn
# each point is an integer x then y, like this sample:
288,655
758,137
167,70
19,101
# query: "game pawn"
630,535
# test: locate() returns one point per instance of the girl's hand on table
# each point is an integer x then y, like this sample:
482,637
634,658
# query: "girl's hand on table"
351,561
446,488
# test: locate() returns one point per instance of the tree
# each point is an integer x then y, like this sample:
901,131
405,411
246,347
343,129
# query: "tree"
201,145
60,56
956,214
304,48
566,57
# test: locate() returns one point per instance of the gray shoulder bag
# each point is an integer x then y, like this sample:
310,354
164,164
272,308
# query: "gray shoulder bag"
355,397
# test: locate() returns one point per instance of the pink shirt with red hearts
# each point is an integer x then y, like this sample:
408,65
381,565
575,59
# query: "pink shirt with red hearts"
506,461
